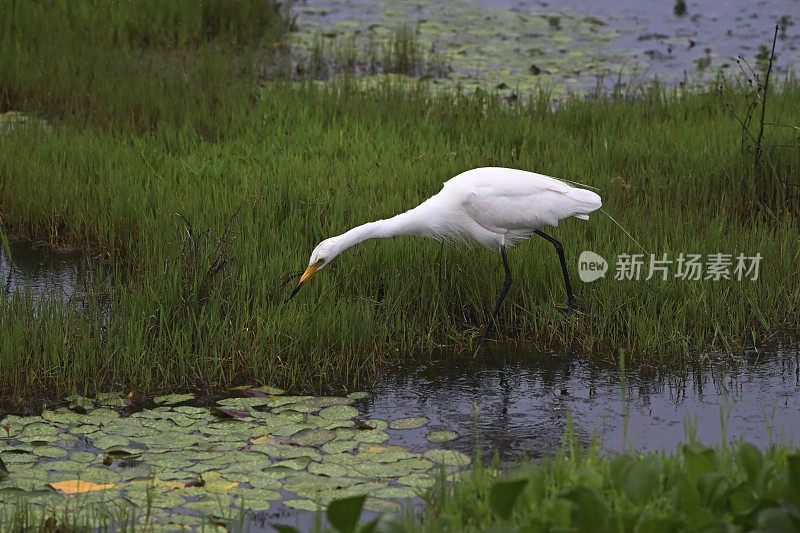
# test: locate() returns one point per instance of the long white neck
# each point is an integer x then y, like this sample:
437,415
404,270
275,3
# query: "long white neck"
412,222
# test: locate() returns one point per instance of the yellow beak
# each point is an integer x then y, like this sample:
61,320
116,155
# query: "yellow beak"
310,271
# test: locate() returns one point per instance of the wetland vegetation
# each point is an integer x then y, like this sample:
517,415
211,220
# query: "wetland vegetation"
159,140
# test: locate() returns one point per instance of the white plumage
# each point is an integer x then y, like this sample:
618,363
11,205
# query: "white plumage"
494,207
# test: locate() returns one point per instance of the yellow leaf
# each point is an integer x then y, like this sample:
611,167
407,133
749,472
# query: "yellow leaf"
76,486
215,483
376,449
261,440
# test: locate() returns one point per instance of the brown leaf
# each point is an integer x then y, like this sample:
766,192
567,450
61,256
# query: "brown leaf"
360,424
227,412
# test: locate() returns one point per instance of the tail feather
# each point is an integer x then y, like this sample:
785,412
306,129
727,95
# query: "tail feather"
586,202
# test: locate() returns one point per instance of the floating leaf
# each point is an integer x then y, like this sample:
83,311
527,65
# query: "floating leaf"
381,470
328,469
227,412
357,395
214,482
297,463
313,437
171,399
243,403
83,457
51,452
371,436
417,480
441,436
303,505
108,441
266,389
77,486
413,422
447,457
394,492
339,446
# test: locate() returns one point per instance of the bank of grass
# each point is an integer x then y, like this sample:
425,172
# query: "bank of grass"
312,162
203,213
696,488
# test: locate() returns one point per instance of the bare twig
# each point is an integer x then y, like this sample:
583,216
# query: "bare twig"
764,99
782,125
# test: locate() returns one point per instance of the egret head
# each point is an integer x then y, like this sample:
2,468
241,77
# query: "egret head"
320,257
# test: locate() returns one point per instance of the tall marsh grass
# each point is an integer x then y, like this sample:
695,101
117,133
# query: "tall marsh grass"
260,175
314,161
135,65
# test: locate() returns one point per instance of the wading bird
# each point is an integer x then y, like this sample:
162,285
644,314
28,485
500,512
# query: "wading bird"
493,207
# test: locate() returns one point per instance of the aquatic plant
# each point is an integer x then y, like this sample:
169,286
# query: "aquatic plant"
694,488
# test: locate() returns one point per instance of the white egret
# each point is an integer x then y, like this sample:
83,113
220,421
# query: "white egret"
494,207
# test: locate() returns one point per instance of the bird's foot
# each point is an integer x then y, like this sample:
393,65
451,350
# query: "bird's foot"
573,306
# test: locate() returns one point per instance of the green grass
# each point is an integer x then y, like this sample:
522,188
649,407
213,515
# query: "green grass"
261,174
696,488
138,65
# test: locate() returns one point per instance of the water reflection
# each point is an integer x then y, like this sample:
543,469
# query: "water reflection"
43,274
520,406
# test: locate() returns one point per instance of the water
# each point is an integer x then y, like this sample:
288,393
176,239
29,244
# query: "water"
519,406
576,46
44,274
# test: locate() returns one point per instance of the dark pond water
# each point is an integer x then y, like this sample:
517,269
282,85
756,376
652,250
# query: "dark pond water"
519,405
44,274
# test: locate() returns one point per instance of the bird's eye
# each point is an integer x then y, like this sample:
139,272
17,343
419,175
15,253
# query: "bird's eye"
320,262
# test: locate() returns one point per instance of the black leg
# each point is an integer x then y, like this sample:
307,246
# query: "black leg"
572,303
506,285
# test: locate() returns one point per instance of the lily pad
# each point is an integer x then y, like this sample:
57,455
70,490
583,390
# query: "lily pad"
298,463
413,422
339,446
172,399
371,436
328,469
447,457
357,395
313,437
107,441
51,452
372,469
303,505
243,403
441,436
77,486
395,492
338,412
83,457
417,480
